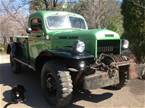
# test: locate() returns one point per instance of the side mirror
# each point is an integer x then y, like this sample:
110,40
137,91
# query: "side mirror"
29,30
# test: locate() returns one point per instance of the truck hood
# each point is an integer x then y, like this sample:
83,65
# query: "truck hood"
99,34
63,38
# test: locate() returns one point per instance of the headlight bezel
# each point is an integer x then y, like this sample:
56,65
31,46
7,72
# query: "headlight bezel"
79,46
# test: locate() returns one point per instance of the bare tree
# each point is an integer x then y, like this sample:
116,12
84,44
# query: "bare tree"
92,10
12,19
96,11
137,4
14,14
43,4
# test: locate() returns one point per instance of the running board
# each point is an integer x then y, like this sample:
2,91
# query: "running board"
29,66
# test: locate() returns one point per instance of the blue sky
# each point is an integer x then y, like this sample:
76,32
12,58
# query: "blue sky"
14,5
23,3
119,0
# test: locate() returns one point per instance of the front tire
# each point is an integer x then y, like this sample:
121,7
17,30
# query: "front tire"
122,83
56,84
123,80
141,71
143,76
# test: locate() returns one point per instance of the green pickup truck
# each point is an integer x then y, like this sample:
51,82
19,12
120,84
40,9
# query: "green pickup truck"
68,56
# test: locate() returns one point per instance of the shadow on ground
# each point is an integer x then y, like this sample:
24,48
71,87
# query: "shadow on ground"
87,96
34,96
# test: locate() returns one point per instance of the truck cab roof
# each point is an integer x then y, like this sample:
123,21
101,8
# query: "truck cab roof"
50,13
59,19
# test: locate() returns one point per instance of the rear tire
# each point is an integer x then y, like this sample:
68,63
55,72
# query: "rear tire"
143,74
56,84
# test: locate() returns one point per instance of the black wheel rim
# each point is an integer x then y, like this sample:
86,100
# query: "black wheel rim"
51,86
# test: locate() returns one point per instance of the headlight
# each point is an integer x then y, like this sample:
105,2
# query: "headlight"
80,46
125,44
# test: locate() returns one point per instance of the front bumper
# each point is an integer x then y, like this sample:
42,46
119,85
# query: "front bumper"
103,79
99,79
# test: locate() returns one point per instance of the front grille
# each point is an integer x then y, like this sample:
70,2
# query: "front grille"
108,46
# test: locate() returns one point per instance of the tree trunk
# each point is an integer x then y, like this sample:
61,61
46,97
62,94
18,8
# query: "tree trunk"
46,4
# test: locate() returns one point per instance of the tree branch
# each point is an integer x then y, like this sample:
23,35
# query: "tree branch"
136,4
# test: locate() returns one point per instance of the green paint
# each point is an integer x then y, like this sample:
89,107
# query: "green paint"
48,39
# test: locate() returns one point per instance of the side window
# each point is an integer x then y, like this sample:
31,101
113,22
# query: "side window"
36,25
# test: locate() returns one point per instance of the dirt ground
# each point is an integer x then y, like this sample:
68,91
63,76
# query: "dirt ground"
131,96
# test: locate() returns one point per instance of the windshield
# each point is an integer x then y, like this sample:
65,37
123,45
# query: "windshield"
63,22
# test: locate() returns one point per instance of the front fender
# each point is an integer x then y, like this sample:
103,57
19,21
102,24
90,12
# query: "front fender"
65,56
68,54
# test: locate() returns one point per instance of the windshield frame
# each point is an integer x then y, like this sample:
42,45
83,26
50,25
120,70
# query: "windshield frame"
67,16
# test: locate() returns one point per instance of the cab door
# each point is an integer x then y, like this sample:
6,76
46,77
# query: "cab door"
36,39
24,48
